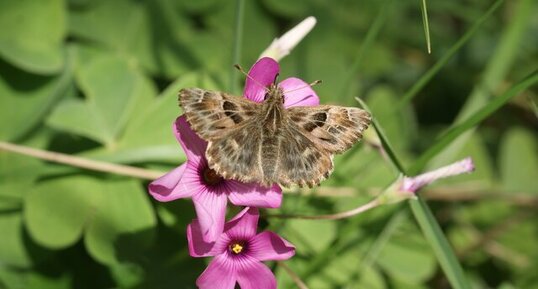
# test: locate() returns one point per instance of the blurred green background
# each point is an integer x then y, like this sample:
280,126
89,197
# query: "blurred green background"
99,79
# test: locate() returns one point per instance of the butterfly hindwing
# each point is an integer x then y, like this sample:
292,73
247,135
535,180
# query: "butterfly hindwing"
236,155
210,113
301,160
248,154
334,128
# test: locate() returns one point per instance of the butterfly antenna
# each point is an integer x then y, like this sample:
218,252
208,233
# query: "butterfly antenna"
238,67
308,85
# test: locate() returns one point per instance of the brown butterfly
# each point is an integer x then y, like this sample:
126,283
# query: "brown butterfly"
266,143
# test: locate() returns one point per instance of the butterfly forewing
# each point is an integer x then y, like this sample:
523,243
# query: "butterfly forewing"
333,128
211,113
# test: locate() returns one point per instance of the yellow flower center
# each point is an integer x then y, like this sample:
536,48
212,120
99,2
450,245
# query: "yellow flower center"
236,248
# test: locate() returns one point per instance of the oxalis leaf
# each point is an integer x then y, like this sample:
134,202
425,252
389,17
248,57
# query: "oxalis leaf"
113,216
113,90
26,98
32,34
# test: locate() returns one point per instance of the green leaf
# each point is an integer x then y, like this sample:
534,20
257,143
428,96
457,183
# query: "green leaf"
153,35
17,173
110,101
402,251
316,235
12,245
26,98
15,278
148,135
519,161
115,217
32,34
56,212
123,225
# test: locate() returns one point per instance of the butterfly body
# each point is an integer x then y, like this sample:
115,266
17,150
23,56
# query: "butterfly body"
267,143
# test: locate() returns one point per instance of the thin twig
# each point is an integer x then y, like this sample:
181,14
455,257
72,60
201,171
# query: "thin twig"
451,194
82,162
300,284
342,215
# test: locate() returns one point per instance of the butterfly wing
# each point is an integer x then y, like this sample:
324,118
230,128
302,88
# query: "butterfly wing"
333,128
237,154
210,113
248,154
301,161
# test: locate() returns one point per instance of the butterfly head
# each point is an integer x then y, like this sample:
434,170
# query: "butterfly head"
274,94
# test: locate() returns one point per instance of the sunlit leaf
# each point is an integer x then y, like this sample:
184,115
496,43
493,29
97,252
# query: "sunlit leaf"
32,34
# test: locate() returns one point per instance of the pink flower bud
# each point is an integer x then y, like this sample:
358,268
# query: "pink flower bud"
406,187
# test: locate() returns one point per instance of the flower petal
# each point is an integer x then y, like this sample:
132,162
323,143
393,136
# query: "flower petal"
298,93
167,188
210,206
254,195
193,146
220,274
243,226
270,246
252,274
191,181
200,248
263,72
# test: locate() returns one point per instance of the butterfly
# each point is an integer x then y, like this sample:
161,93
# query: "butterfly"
267,143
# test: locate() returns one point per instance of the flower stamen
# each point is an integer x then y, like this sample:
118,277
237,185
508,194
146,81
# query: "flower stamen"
237,247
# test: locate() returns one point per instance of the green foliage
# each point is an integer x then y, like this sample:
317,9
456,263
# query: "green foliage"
99,80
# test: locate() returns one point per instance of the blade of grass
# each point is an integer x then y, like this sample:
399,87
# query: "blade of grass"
383,138
472,121
238,42
428,224
426,25
498,66
442,249
412,92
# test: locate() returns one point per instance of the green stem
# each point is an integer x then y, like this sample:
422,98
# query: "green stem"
426,24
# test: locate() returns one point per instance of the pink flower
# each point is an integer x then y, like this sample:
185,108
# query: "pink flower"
208,190
238,254
265,71
406,187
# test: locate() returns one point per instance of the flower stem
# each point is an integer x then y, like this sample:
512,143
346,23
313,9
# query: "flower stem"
342,215
82,162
